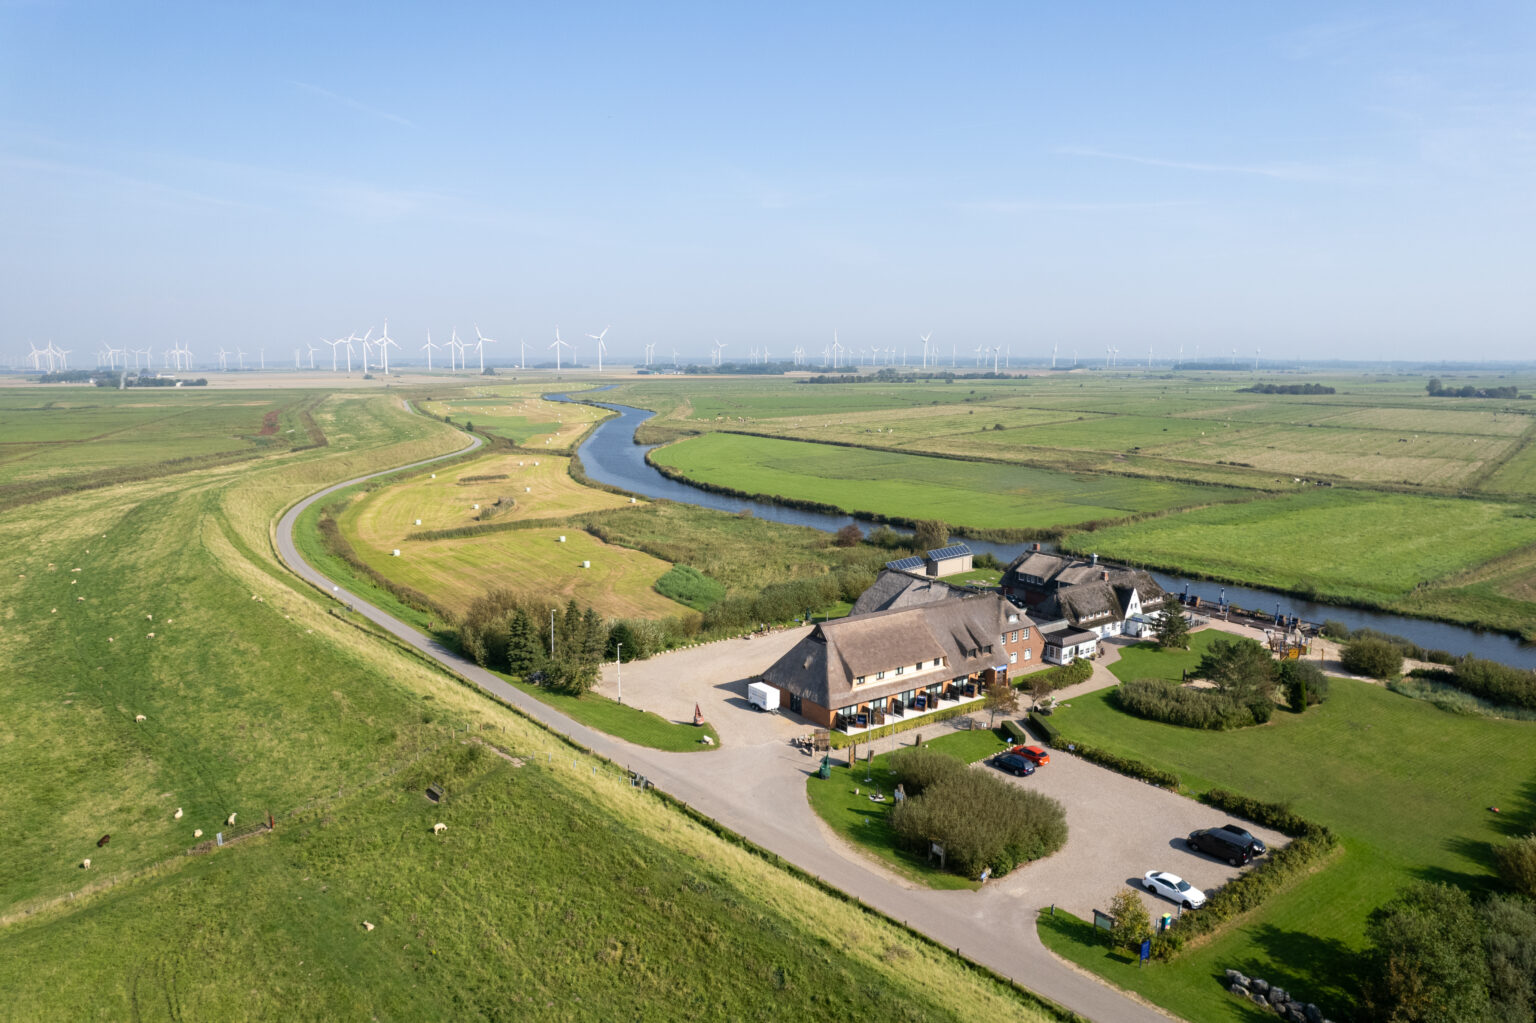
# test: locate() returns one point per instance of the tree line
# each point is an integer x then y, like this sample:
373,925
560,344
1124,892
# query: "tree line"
1437,389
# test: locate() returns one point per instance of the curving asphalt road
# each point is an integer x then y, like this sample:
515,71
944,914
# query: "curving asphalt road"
758,792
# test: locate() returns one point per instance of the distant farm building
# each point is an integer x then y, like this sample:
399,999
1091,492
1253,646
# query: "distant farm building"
1105,599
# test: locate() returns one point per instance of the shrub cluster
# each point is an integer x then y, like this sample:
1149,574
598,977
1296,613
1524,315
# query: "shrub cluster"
1158,700
780,602
1309,843
687,585
1104,758
1496,682
982,822
1376,658
1303,682
1335,629
1059,677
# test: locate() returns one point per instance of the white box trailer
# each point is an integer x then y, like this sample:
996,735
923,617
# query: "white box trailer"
763,696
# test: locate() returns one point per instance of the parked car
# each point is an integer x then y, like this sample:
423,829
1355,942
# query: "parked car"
1014,764
1255,844
1032,753
1221,844
1174,887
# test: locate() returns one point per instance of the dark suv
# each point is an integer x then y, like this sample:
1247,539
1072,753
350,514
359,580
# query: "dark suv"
1221,844
1255,844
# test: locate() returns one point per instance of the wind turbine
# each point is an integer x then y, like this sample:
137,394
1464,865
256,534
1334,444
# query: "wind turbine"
223,359
978,350
557,346
138,352
601,347
348,342
239,352
62,354
924,339
522,354
455,346
1054,346
312,351
837,349
716,352
333,345
384,342
995,350
429,348
1255,359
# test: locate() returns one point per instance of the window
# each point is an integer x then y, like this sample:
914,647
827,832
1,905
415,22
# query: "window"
989,648
1013,619
1013,637
879,675
861,680
1013,658
901,670
1024,633
1026,655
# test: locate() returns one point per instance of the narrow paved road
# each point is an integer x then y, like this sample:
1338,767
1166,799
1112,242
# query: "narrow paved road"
757,791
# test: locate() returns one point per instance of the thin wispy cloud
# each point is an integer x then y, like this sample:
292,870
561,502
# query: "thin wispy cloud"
1051,206
1278,171
353,104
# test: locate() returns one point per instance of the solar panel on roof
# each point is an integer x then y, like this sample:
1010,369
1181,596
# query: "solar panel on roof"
903,564
958,550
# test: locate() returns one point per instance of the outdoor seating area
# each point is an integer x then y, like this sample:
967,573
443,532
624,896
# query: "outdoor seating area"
856,720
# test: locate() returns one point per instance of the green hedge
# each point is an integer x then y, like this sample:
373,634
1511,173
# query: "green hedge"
1310,842
1158,700
1016,732
1125,765
1060,677
1049,733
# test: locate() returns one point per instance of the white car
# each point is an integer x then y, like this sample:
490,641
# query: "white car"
1174,887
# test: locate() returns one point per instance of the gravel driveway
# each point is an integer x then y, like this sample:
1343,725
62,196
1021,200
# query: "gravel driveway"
1118,829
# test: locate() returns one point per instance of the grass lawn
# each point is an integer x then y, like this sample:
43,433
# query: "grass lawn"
1352,546
641,727
843,802
976,577
1145,660
975,494
553,894
525,420
1405,786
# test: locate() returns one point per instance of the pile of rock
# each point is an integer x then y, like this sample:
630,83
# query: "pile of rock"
1276,999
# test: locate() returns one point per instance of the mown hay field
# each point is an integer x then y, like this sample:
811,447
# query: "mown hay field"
535,487
1348,764
975,494
1348,546
524,419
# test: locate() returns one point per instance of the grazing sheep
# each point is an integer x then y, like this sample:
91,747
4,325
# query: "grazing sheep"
367,926
103,840
85,865
138,717
230,822
150,617
151,635
439,828
198,833
177,815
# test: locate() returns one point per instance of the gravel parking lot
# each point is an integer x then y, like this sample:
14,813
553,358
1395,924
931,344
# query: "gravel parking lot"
1118,829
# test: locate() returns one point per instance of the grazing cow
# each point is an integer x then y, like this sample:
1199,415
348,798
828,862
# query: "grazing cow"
439,828
103,840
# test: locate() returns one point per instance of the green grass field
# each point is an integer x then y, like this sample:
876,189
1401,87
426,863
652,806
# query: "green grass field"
523,418
974,494
1406,787
258,697
1347,546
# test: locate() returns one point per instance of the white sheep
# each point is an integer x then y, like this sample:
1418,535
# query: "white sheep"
138,717
439,828
85,865
177,815
230,822
367,926
198,833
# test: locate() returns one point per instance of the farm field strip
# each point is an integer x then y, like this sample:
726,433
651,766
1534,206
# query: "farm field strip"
961,493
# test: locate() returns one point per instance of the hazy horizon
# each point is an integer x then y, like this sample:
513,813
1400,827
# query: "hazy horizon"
1317,182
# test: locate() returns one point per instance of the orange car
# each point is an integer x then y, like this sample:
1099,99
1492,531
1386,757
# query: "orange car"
1034,753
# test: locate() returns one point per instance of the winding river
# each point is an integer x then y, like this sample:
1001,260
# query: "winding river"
610,455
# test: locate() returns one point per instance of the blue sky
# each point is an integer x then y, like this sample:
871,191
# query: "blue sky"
1316,180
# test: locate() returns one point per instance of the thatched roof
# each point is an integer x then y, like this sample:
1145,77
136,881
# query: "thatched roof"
895,589
822,667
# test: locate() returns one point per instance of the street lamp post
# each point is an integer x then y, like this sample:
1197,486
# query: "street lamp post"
619,661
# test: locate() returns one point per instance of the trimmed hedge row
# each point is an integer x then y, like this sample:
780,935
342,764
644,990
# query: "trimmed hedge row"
1060,677
1015,732
1310,842
1104,758
1049,733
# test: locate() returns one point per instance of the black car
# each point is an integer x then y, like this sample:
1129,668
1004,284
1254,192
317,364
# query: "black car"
1014,764
1255,844
1221,844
